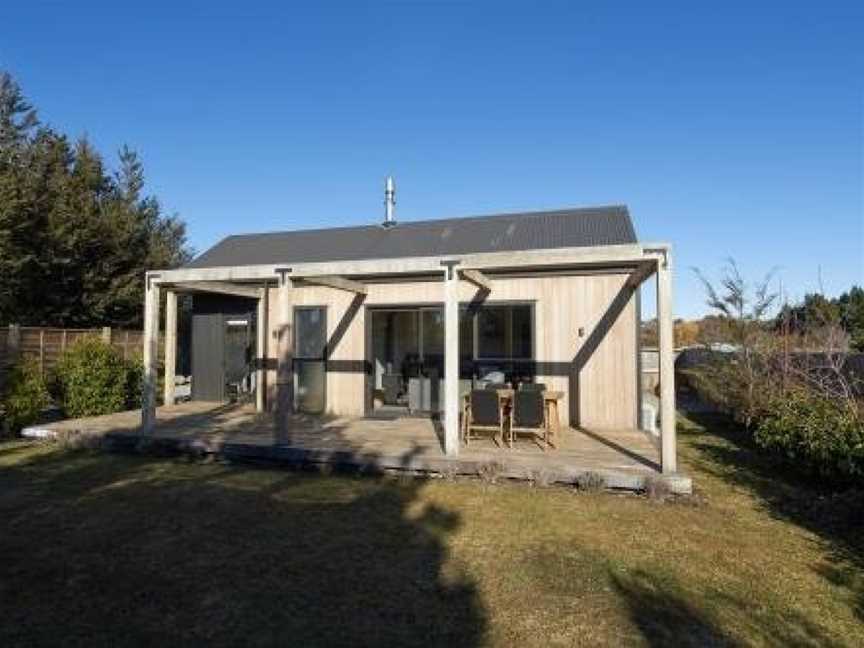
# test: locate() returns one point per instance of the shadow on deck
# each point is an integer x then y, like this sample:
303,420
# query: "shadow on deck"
625,458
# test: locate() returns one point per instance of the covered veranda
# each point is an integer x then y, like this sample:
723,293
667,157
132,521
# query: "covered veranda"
292,430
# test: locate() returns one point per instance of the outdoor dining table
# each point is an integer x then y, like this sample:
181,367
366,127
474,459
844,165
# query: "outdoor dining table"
551,398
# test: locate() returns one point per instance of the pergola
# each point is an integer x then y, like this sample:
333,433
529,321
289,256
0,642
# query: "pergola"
252,281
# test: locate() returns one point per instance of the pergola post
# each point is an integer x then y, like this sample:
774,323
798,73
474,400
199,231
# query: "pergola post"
285,364
261,351
170,346
151,353
668,443
451,359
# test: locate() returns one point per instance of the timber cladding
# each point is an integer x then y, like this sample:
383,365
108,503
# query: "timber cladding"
585,332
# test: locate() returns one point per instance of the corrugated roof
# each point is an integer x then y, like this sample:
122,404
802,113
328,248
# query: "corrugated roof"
493,233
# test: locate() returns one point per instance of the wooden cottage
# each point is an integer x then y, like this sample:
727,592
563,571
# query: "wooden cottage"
404,319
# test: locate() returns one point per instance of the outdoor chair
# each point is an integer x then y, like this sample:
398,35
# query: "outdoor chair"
528,415
483,413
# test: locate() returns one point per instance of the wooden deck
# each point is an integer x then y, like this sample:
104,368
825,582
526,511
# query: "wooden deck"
624,458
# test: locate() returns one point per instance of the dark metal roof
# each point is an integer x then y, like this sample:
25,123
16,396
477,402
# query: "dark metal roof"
495,233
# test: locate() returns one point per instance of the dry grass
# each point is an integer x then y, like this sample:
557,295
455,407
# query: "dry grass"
99,549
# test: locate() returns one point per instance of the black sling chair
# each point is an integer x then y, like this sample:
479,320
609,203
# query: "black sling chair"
483,413
528,415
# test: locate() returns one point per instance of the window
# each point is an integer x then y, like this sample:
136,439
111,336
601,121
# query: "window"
310,332
310,342
503,332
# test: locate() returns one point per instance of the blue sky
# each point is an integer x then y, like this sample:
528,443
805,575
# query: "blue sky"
728,130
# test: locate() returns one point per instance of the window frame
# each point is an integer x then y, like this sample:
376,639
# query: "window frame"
296,347
475,327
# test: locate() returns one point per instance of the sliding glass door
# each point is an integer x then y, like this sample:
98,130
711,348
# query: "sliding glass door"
408,357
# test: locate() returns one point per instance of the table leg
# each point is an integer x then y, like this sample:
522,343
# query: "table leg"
553,423
465,430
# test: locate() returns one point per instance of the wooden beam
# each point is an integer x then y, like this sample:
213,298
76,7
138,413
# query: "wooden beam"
261,351
151,351
451,361
285,361
529,259
219,287
478,279
666,344
640,274
340,283
170,347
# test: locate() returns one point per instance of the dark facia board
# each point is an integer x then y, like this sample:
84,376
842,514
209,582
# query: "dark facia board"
496,233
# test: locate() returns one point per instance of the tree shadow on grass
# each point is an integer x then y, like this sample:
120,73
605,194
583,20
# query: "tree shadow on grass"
728,452
128,550
667,615
664,617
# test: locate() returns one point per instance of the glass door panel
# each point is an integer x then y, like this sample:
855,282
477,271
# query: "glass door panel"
432,350
310,346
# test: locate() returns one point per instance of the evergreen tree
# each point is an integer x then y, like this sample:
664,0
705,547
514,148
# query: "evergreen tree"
75,239
18,224
851,306
18,119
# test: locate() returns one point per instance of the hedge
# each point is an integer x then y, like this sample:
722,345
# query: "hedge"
25,397
94,379
824,436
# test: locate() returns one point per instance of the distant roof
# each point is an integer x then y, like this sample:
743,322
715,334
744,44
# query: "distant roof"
450,236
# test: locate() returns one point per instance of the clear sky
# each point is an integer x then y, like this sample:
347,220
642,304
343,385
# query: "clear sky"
729,130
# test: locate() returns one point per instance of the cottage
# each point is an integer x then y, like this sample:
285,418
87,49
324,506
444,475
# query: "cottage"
404,319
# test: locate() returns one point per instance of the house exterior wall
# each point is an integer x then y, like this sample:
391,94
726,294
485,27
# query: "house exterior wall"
606,382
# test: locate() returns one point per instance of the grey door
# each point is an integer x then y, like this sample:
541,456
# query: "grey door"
208,350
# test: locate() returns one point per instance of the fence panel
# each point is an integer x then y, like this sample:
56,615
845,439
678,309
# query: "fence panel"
45,345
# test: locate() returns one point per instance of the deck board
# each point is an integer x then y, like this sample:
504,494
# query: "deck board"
624,457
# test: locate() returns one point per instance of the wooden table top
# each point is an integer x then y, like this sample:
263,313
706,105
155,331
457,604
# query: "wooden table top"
548,394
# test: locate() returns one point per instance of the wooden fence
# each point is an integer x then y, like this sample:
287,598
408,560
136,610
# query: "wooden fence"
44,345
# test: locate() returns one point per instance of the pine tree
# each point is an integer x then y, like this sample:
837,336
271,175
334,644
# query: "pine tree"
18,228
75,238
18,119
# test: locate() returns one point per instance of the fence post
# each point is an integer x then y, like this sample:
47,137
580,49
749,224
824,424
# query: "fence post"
13,344
106,334
63,341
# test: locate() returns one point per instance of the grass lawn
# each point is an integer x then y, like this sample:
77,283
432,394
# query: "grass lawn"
103,549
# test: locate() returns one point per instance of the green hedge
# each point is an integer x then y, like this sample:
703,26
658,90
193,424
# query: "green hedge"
25,397
94,379
824,436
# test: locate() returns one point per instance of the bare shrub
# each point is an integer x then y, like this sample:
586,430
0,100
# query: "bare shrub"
490,471
541,477
590,481
449,472
788,384
737,373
